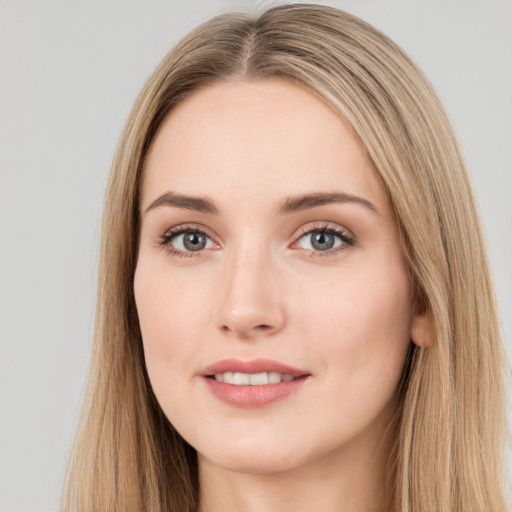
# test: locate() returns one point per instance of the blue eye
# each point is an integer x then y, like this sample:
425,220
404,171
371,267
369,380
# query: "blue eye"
185,241
325,239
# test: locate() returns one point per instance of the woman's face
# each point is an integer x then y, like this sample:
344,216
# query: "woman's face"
269,249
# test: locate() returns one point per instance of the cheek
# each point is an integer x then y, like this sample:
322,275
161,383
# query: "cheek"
359,332
172,312
361,324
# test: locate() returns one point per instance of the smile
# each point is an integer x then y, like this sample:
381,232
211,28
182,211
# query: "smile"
253,384
252,379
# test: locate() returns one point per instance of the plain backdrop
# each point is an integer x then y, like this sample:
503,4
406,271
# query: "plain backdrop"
69,73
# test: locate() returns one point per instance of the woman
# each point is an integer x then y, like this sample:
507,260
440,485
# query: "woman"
295,308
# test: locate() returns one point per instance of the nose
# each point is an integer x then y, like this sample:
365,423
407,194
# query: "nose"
251,296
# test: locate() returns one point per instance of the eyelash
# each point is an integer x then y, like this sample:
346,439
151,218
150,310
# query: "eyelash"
344,235
171,234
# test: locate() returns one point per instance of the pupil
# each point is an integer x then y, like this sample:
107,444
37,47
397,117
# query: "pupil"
194,241
322,241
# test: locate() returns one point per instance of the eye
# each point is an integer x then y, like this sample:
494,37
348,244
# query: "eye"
183,241
325,239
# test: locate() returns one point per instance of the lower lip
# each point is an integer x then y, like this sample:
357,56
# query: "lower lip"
253,396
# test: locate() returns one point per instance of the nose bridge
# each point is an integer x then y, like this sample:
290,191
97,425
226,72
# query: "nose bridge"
249,298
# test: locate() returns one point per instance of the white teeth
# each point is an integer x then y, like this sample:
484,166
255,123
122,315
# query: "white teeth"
252,379
257,379
241,379
274,377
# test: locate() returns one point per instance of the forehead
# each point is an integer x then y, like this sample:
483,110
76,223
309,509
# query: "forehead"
264,138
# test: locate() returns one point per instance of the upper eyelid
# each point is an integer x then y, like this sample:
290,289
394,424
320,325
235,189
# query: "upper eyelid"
183,228
319,225
324,225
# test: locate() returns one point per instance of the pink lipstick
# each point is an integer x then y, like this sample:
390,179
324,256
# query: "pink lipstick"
252,384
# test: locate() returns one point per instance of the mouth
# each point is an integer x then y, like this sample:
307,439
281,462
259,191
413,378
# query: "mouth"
253,379
251,384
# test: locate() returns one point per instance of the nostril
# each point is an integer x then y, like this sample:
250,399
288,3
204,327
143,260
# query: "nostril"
263,327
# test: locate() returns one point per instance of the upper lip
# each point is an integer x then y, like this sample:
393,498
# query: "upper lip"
253,366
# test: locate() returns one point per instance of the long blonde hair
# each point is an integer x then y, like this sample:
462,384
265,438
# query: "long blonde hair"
451,431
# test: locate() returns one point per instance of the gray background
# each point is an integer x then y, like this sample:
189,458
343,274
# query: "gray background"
69,72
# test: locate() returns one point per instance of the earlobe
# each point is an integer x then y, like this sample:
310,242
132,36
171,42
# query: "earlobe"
422,331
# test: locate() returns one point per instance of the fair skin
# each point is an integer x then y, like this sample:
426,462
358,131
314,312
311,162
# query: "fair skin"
320,286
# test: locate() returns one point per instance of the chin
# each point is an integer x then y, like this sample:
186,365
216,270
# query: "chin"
261,463
254,456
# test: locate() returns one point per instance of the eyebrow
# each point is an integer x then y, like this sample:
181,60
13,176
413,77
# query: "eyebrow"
198,204
308,201
290,205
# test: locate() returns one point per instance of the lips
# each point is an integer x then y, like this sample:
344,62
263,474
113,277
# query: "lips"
254,366
251,384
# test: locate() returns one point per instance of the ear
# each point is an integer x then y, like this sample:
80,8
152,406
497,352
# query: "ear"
422,329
